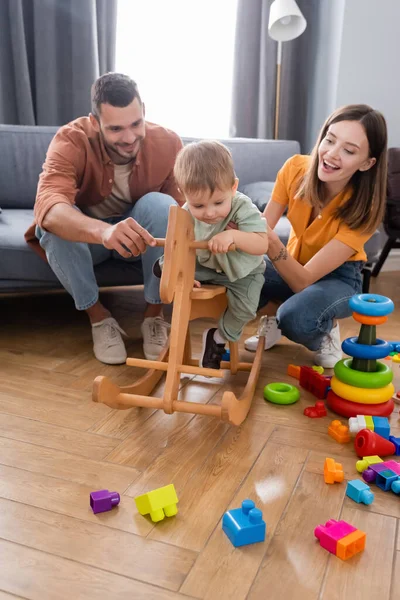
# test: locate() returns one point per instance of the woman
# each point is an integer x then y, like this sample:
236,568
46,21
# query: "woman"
335,200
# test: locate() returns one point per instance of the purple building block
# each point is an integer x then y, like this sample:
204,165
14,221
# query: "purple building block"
330,533
103,500
369,475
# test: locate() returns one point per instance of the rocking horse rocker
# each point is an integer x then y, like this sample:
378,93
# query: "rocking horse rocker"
189,303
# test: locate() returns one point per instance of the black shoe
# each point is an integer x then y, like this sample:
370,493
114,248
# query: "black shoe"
211,353
157,269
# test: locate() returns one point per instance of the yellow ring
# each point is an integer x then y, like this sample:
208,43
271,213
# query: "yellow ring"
362,395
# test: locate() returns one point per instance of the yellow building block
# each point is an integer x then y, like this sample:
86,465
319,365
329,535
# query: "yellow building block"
363,464
158,503
351,544
369,422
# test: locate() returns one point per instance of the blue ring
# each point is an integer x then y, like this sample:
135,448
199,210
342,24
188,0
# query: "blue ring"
351,347
380,307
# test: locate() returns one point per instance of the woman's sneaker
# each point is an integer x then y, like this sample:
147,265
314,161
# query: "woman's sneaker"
272,336
330,350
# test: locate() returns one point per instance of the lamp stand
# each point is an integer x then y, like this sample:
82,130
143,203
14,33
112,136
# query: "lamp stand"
278,88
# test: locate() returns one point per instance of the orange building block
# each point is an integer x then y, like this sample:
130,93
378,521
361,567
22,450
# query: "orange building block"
351,544
339,432
294,371
333,471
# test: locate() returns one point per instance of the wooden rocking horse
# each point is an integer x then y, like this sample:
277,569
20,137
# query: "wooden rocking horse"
189,303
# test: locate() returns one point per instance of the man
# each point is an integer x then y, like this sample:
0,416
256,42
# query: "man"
105,190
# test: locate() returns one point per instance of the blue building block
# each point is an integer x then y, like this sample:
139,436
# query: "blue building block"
359,491
396,442
396,486
384,479
226,356
381,426
244,525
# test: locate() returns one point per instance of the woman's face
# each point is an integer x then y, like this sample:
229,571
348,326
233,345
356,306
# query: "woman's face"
343,151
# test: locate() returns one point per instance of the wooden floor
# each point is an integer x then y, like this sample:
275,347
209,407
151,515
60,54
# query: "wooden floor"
56,446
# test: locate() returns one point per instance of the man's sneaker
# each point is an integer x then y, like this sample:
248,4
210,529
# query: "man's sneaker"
157,269
272,336
211,352
155,333
108,345
330,350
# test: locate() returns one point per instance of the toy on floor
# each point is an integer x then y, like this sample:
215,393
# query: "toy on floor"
244,525
359,492
318,369
281,393
340,538
103,500
313,382
333,471
362,381
368,442
316,411
294,371
339,432
367,461
158,503
379,425
386,475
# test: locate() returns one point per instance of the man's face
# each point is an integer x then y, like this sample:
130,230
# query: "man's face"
122,130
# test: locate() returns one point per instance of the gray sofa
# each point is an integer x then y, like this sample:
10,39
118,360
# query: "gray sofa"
22,152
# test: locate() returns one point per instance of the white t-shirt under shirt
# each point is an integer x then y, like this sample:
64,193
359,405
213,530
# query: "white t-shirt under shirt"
119,201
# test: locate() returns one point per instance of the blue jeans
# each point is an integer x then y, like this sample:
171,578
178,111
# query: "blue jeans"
307,316
73,262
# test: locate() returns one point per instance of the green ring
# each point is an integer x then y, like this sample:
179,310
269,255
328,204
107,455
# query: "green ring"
378,379
281,393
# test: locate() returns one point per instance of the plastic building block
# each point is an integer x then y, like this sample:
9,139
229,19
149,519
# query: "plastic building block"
369,423
158,503
359,492
226,356
339,432
368,442
381,426
103,500
330,533
316,411
366,462
351,544
357,423
333,471
318,369
385,478
370,474
396,486
244,525
313,382
294,371
396,442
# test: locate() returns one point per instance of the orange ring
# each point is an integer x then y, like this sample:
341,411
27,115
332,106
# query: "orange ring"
365,320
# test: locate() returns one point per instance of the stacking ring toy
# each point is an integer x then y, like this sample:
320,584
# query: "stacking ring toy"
380,349
365,320
378,379
281,393
372,305
352,409
361,395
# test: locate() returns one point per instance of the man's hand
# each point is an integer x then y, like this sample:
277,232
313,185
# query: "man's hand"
127,237
220,243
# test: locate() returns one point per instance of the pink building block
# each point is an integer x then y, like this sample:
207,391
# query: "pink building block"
330,533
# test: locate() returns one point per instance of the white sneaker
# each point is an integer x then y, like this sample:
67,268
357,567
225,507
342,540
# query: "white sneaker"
155,333
330,350
272,336
108,345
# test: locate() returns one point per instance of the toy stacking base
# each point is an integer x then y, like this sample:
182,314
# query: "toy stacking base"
362,385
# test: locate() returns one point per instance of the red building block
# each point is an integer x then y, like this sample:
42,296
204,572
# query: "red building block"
368,442
313,382
316,411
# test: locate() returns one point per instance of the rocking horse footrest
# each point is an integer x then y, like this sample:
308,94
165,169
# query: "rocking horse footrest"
212,410
163,366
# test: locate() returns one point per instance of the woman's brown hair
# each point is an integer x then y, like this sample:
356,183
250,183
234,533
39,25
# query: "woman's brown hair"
365,208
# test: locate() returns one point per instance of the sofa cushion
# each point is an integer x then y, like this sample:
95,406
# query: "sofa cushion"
20,262
259,192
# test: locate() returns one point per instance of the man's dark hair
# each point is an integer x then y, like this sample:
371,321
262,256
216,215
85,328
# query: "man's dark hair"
115,89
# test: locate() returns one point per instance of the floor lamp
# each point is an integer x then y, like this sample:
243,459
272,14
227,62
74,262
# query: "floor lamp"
286,22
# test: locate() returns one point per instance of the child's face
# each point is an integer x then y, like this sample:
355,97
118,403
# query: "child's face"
211,209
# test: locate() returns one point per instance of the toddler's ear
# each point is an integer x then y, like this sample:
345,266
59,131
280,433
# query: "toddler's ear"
235,185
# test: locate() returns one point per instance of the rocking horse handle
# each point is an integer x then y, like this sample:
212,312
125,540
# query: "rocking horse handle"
199,245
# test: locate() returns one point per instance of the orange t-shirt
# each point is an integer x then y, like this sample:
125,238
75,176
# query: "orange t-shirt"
306,238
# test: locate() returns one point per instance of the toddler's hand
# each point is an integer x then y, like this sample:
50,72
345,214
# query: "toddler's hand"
220,243
196,283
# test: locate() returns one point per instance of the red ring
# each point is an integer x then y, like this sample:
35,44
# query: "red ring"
345,408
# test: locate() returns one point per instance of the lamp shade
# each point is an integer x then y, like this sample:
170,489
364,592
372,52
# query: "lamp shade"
286,21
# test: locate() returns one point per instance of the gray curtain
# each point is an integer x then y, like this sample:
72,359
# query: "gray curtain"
51,51
253,102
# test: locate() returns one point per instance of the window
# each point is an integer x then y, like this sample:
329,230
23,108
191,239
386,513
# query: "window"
180,53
